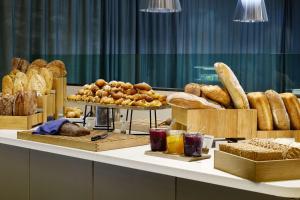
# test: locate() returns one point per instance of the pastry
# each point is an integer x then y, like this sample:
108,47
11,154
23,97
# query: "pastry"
48,76
259,101
113,83
292,106
280,116
94,88
100,83
7,85
37,83
193,88
190,101
117,95
58,68
217,94
127,86
142,86
119,101
131,91
232,85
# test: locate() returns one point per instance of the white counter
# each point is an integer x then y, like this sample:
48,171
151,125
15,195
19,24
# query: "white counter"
202,171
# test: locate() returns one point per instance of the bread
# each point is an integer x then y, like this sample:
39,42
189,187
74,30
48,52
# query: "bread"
73,130
25,103
48,76
100,83
251,152
13,73
193,88
40,63
232,85
217,94
259,101
142,86
190,101
292,106
280,116
6,104
33,67
58,68
37,83
15,63
7,85
20,64
20,83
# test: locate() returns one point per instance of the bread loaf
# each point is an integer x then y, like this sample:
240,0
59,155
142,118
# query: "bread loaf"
19,104
25,103
232,85
20,83
58,68
7,85
280,116
48,76
259,101
19,64
39,63
73,130
193,88
37,83
217,94
6,105
292,106
190,101
30,72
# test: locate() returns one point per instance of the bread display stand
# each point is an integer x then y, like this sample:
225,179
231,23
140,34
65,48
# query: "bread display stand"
21,122
60,87
47,104
129,113
229,123
111,142
258,171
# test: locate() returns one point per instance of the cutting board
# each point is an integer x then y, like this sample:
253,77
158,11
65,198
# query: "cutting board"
111,142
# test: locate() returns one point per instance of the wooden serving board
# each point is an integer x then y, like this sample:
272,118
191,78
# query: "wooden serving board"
258,171
176,157
113,141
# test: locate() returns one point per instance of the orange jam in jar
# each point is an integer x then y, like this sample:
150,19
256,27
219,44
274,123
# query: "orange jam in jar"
175,142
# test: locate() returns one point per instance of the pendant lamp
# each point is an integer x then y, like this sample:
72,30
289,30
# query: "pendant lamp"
162,6
251,11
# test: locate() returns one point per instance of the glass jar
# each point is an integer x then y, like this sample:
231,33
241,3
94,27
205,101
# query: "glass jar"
158,139
175,142
193,143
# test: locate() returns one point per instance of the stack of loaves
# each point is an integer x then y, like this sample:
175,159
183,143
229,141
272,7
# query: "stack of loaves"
275,111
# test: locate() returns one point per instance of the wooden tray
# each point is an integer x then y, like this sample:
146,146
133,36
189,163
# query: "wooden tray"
229,123
113,141
21,122
258,171
176,157
120,106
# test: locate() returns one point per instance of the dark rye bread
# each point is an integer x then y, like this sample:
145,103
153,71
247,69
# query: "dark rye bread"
251,152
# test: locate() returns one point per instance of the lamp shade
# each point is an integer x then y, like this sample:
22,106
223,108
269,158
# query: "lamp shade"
162,6
251,11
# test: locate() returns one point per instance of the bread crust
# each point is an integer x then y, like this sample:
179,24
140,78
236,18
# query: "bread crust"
217,94
7,85
292,106
142,86
193,88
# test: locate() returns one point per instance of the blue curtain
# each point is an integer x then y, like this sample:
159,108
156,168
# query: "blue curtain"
111,39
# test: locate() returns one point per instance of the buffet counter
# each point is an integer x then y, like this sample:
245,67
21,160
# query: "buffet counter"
134,162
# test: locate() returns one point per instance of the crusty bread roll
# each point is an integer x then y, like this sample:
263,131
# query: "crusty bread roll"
280,116
190,101
292,106
217,94
142,86
259,101
58,68
37,83
7,85
48,76
232,85
193,88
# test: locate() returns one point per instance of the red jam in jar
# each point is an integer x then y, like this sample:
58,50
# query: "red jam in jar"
158,139
193,144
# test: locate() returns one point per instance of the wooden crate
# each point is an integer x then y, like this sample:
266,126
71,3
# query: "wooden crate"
21,122
258,171
113,141
227,123
60,87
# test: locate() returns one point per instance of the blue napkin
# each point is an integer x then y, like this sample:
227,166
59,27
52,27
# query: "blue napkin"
51,127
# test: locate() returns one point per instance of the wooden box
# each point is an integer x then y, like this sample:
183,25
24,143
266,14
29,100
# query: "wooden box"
21,122
258,171
113,141
47,104
229,123
60,87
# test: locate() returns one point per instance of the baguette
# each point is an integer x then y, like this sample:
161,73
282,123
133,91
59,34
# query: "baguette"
280,116
292,106
232,85
217,94
259,101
